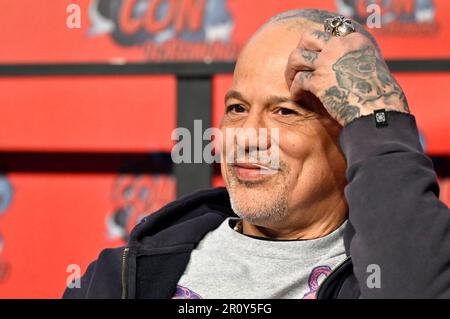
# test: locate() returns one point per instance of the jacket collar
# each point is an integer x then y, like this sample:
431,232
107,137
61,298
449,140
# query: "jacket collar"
184,221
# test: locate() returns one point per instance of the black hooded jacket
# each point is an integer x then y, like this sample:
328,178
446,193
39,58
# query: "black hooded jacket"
396,222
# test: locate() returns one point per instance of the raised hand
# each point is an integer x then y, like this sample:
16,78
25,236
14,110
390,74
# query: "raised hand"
347,74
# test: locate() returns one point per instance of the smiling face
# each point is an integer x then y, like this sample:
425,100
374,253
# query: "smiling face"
308,183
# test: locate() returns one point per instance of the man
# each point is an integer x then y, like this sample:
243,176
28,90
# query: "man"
351,211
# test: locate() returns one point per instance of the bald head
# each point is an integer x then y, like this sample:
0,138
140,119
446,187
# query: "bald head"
263,59
291,24
265,55
316,16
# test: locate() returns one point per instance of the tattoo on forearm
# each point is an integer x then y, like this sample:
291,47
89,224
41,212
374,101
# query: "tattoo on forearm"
362,78
337,100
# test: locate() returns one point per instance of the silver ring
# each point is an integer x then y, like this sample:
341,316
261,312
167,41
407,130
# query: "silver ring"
339,26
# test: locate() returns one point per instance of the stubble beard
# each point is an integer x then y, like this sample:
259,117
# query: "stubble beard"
260,202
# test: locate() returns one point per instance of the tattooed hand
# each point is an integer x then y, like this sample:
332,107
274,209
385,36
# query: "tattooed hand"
347,74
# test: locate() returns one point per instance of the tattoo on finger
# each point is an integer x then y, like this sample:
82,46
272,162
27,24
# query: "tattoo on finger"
305,76
337,100
309,56
320,35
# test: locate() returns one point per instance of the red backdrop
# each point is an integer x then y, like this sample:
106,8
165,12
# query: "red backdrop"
51,220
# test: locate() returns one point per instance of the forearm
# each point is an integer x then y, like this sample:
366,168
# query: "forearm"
400,224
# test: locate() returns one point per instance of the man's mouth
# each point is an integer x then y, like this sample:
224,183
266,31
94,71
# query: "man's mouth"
253,171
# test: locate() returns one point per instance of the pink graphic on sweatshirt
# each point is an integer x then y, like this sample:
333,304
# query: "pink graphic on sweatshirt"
313,280
185,293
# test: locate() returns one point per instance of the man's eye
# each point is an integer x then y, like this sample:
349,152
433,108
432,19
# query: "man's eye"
236,108
285,111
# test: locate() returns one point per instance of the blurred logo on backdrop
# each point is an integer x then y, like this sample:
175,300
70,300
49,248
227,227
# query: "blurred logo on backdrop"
168,30
134,196
6,195
398,17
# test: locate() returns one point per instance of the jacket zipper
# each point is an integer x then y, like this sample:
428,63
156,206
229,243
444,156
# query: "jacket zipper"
124,272
331,273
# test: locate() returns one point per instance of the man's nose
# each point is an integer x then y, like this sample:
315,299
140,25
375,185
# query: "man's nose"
254,133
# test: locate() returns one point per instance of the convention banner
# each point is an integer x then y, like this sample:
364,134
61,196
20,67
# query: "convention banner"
119,31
